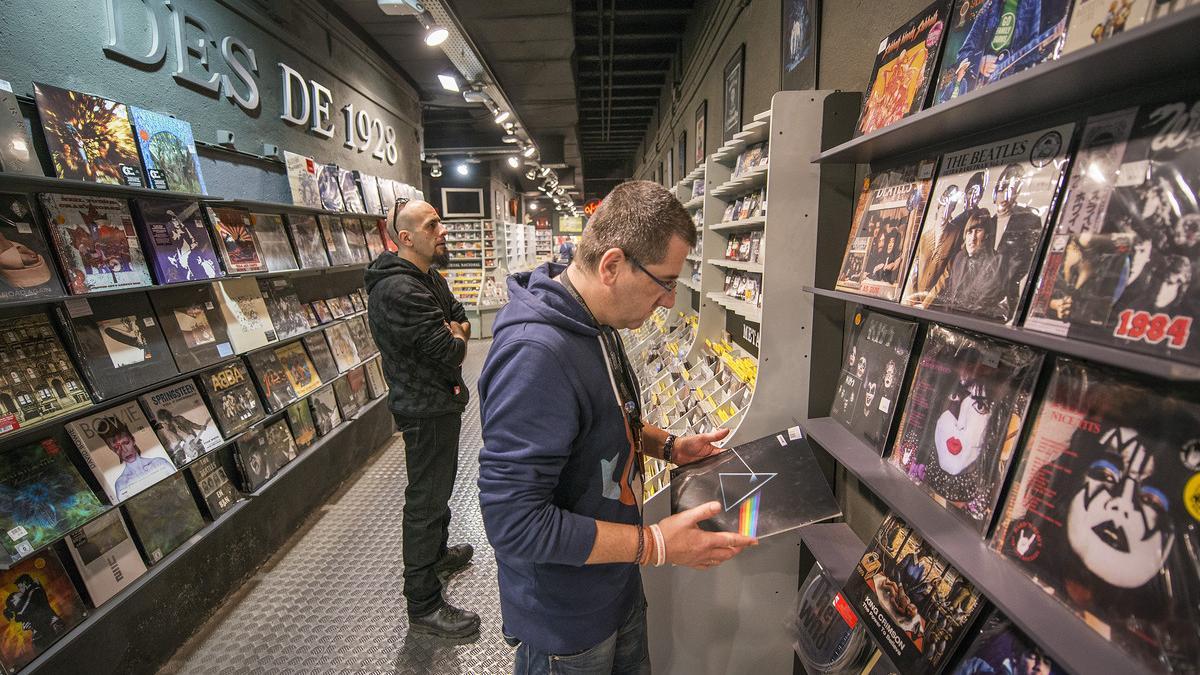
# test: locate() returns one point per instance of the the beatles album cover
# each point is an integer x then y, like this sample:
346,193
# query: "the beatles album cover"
26,265
1123,266
903,69
254,460
193,325
962,418
766,487
322,358
281,446
868,392
346,400
29,344
106,557
336,243
182,421
887,218
247,321
351,197
237,240
325,410
119,343
369,187
310,244
283,306
376,384
302,179
1103,510
341,344
329,187
40,606
214,486
826,634
16,145
168,151
164,517
300,419
1000,647
912,601
121,449
96,242
984,230
273,242
231,397
300,371
177,241
89,137
42,496
272,379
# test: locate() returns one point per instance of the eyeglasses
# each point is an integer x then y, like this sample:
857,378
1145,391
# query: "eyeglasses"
401,202
668,286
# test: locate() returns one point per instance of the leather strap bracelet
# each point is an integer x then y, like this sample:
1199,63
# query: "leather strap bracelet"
641,547
668,448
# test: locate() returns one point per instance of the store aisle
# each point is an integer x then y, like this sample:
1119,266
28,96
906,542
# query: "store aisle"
332,601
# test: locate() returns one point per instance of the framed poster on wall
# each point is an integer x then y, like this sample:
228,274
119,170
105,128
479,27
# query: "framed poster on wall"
701,127
799,44
681,153
731,118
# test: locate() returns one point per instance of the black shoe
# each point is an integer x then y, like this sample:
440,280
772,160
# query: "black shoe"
447,621
456,559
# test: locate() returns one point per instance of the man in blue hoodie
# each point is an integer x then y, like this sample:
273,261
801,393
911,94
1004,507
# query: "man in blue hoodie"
559,474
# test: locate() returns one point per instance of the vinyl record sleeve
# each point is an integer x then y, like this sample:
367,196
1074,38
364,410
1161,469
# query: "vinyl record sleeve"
329,187
231,397
766,487
280,444
1094,21
30,348
287,315
370,192
346,401
27,270
164,517
826,634
300,371
341,344
322,311
351,197
96,243
322,358
16,145
119,343
302,180
121,449
182,421
247,321
273,384
168,151
356,239
300,419
325,410
357,379
254,459
387,196
362,337
106,557
373,232
41,606
985,227
868,392
273,242
336,243
193,324
903,69
377,385
310,244
177,241
886,221
912,601
1103,510
1123,266
214,486
1000,647
964,413
89,137
42,496
237,240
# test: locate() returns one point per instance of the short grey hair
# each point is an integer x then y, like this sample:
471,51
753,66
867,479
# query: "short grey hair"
640,218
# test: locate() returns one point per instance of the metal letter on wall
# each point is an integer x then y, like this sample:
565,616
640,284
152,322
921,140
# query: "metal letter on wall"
199,49
116,31
321,100
230,45
294,82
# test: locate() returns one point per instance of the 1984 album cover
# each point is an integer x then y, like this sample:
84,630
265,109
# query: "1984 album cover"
26,266
89,137
42,496
903,69
96,242
178,241
168,151
868,392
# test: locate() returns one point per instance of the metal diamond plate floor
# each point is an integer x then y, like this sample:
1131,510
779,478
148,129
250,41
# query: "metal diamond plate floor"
332,602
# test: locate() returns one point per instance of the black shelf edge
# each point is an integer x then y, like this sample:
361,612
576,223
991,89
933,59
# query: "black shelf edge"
836,548
1074,646
1153,51
1111,356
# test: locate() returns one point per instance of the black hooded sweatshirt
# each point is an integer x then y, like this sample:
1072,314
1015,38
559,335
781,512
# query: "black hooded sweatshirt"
408,310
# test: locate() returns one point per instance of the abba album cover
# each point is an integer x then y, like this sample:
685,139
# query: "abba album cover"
904,66
1094,21
277,391
26,267
89,137
119,343
182,421
341,344
826,634
300,371
310,245
300,419
237,240
336,242
302,180
329,187
1103,510
886,220
273,242
40,606
1000,647
346,401
121,449
42,496
96,243
322,358
105,556
177,241
16,144
214,486
287,315
280,444
962,418
351,197
247,320
1123,266
30,344
912,601
325,410
164,517
369,187
168,151
231,397
984,230
193,325
868,391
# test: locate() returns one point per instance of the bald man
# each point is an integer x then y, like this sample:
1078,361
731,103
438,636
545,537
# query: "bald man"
422,332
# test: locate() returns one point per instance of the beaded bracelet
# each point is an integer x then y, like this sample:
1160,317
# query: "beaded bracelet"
641,547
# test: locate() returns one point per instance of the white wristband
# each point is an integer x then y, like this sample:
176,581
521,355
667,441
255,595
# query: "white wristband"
660,545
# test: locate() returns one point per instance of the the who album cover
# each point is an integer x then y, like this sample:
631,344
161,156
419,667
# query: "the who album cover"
1123,266
904,66
26,265
273,243
300,371
182,421
868,391
164,517
89,137
887,218
302,180
280,444
283,306
304,428
346,401
42,496
1000,647
254,460
325,410
329,187
351,197
310,243
989,40
912,601
322,358
237,240
193,325
377,385
341,344
1104,507
369,187
214,486
106,557
178,241
964,413
41,605
121,449
96,242
765,487
16,145
985,226
269,373
231,397
168,151
30,345
247,320
826,634
336,242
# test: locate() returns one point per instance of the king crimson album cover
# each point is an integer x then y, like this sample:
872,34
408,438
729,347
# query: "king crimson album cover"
1000,647
903,69
247,320
300,371
302,180
89,137
178,241
41,605
182,421
269,373
231,397
868,392
273,242
329,187
1123,266
31,348
1103,510
213,484
121,449
322,358
310,245
351,197
106,557
325,410
193,325
164,517
168,151
96,242
237,239
982,236
26,266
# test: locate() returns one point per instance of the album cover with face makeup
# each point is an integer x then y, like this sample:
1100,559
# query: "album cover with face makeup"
1104,512
868,392
962,419
1000,647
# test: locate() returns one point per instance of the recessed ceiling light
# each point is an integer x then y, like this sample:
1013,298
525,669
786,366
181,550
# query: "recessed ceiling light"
529,151
449,82
436,36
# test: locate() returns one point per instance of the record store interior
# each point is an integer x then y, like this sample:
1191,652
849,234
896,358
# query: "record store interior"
440,336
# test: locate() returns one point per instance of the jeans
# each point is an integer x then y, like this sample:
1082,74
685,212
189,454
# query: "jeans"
625,652
431,458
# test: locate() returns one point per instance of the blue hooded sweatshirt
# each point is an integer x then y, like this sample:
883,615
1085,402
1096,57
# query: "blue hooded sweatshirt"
556,457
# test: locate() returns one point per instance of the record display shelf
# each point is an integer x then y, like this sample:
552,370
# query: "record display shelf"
836,549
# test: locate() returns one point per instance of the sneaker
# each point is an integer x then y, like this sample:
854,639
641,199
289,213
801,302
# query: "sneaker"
447,621
456,559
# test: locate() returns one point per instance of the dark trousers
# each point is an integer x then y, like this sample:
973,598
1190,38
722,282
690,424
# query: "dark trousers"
431,457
